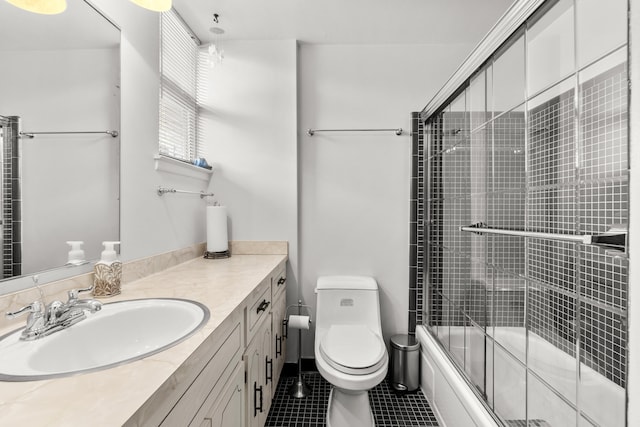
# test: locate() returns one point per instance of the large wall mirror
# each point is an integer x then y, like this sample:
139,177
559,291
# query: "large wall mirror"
59,129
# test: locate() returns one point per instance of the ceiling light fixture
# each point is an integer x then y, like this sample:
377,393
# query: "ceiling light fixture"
155,5
215,50
45,7
53,7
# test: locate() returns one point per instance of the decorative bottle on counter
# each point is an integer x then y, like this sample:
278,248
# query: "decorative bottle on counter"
108,272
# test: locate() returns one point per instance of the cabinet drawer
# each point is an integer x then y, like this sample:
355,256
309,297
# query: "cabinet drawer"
211,380
279,282
259,307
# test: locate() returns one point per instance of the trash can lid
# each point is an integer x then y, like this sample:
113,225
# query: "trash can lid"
405,342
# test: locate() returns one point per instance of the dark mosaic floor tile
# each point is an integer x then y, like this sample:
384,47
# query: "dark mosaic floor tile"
389,408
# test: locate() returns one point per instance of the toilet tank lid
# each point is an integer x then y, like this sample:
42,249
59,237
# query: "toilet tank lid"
347,282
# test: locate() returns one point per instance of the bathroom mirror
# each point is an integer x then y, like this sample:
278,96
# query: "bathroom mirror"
60,151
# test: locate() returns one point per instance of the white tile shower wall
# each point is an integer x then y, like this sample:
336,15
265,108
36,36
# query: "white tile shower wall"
569,286
597,195
462,284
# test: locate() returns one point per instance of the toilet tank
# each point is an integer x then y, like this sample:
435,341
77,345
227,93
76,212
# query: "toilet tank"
347,300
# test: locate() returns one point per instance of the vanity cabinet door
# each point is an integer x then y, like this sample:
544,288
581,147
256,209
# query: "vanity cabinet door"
255,384
228,410
259,376
279,340
267,364
221,360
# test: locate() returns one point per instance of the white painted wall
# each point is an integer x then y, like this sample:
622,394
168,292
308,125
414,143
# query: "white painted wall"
149,224
70,183
354,187
249,127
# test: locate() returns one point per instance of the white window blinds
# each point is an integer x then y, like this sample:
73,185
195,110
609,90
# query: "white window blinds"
178,89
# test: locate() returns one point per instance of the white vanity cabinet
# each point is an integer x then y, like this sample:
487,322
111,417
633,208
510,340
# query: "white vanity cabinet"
231,378
265,352
203,380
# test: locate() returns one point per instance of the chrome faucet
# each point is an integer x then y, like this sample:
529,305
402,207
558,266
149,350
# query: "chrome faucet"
56,315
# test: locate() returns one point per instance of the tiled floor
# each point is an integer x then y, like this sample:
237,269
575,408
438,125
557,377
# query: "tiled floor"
389,409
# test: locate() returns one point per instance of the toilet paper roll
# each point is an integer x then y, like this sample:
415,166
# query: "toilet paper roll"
299,322
217,239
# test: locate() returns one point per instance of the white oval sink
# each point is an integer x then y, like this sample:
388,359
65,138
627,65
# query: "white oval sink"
119,333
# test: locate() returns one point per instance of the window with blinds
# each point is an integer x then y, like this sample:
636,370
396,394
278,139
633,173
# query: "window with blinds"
178,89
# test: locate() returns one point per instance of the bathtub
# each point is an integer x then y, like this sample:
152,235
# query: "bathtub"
602,402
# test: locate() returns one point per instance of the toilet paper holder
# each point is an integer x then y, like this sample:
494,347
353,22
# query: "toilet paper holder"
299,389
285,321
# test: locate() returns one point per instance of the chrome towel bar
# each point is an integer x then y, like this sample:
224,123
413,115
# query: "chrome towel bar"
113,133
311,132
613,239
162,190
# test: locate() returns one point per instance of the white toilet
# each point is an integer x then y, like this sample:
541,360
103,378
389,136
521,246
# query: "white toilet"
349,349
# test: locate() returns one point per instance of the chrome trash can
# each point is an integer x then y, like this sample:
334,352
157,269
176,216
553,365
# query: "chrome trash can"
405,363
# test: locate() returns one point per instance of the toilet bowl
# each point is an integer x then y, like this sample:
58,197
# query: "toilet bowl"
349,349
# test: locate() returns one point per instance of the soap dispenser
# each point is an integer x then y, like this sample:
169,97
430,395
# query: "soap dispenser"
76,254
108,272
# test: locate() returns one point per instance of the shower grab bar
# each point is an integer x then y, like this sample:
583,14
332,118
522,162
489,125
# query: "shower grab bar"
398,131
113,133
163,190
615,238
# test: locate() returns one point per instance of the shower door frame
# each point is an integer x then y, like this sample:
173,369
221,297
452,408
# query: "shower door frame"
445,97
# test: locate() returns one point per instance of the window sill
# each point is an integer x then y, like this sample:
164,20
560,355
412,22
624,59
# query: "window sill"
169,165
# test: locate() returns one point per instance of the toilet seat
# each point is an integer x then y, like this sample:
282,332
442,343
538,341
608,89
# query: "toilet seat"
353,349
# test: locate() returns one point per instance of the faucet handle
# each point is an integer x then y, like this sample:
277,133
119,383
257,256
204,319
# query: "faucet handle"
33,308
73,293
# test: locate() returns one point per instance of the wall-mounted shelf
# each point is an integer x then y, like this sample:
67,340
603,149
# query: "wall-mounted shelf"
167,164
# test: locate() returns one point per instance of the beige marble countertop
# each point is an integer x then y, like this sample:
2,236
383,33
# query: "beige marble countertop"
111,397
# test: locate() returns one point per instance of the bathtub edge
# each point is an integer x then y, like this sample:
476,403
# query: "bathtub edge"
450,384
